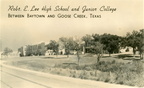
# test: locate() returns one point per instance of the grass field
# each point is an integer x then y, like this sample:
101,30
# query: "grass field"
114,69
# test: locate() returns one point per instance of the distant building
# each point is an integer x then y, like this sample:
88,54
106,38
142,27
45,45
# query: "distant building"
49,52
30,50
126,49
129,50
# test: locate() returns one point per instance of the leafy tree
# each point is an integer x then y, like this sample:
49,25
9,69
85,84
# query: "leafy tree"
68,43
72,44
78,46
90,41
53,45
7,51
135,40
96,38
110,42
123,42
87,39
98,50
140,42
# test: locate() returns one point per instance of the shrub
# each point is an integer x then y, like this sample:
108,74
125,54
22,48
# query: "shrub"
107,71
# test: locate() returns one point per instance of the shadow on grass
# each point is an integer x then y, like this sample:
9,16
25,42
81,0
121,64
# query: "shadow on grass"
54,57
105,56
126,56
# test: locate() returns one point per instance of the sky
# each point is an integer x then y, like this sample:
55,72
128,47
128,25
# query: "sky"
17,32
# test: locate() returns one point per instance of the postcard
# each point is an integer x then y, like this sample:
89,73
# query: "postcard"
72,44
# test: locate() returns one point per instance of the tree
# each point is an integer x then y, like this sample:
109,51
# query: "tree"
110,42
53,45
87,39
98,50
96,37
65,43
7,51
96,46
135,40
123,42
78,46
140,42
68,43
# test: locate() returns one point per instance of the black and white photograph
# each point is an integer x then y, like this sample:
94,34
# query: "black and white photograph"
71,44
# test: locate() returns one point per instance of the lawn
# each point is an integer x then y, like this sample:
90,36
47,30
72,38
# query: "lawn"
113,69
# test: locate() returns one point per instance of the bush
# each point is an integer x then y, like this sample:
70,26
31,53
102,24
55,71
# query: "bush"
107,71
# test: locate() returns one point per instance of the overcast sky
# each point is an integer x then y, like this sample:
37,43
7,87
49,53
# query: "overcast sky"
16,32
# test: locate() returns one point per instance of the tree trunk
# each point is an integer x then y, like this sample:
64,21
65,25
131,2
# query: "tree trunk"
56,55
98,58
141,55
78,57
134,51
109,54
67,55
